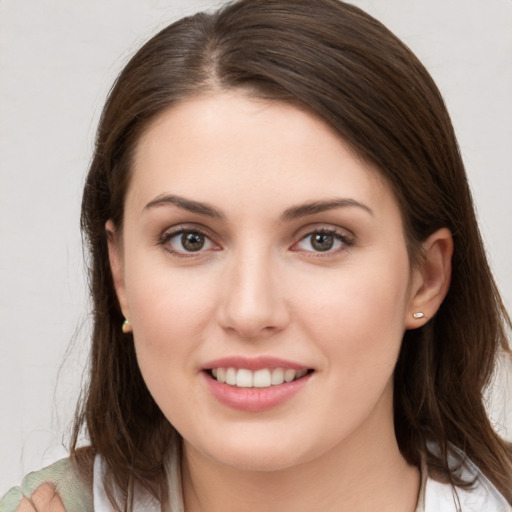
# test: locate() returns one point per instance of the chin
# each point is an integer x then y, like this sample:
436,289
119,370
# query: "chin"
264,453
261,462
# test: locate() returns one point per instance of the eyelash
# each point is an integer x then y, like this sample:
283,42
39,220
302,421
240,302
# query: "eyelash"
345,241
167,236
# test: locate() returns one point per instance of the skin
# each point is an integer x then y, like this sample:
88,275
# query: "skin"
258,287
43,499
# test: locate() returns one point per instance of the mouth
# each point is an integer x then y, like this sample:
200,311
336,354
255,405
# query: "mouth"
255,384
262,378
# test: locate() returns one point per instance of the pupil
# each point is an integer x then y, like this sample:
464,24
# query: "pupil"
192,241
322,242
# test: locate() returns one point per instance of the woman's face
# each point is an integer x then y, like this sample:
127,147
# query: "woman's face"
258,248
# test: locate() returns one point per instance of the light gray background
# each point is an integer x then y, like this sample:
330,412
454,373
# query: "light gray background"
57,61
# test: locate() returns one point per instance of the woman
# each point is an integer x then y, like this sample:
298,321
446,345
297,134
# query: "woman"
292,302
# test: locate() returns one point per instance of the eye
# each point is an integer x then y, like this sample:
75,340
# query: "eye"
323,241
187,241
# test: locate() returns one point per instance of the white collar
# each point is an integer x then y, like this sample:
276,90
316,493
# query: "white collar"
142,503
434,496
482,497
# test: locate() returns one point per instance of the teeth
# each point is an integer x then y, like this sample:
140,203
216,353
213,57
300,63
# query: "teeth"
301,373
289,375
264,378
221,374
277,376
243,378
231,377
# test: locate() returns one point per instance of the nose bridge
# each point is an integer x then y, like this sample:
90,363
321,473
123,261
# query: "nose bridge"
252,301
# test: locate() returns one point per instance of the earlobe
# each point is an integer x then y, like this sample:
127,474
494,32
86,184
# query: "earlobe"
431,278
116,266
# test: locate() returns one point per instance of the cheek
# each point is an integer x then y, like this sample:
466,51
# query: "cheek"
164,301
171,313
360,311
169,317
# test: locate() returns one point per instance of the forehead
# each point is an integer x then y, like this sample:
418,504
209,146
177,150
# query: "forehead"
229,145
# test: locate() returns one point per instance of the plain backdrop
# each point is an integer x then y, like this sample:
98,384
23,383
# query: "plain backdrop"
57,61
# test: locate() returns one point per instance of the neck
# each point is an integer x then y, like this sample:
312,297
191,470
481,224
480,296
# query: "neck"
357,475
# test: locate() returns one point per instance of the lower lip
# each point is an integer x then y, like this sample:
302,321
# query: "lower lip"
254,399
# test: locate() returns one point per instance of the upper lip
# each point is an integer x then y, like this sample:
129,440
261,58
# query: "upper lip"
253,363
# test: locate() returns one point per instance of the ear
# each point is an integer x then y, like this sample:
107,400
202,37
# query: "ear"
431,278
116,266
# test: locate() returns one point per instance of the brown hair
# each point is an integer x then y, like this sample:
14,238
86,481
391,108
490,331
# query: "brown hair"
347,68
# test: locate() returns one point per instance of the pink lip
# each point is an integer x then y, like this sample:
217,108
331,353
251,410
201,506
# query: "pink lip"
253,363
253,399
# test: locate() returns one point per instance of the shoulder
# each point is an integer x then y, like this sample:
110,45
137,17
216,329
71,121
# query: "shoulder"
59,482
483,495
142,500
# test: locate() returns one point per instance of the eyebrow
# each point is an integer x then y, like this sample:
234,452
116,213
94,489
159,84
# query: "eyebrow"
185,204
292,213
303,210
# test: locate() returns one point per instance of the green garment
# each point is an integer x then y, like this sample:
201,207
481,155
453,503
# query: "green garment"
74,493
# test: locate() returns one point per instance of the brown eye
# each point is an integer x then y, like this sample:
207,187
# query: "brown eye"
322,241
326,241
185,242
192,242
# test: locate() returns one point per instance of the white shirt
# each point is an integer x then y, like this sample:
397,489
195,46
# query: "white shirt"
434,496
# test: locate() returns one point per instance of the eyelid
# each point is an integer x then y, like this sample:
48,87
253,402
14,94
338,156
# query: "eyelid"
171,232
319,227
344,235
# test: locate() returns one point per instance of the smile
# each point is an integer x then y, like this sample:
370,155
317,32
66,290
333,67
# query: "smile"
255,384
263,378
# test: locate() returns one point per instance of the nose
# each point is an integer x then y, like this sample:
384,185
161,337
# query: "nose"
253,305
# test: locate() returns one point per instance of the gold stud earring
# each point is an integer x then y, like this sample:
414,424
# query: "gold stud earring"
418,315
127,328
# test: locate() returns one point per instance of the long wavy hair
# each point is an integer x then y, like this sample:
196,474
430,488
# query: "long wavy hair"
347,68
